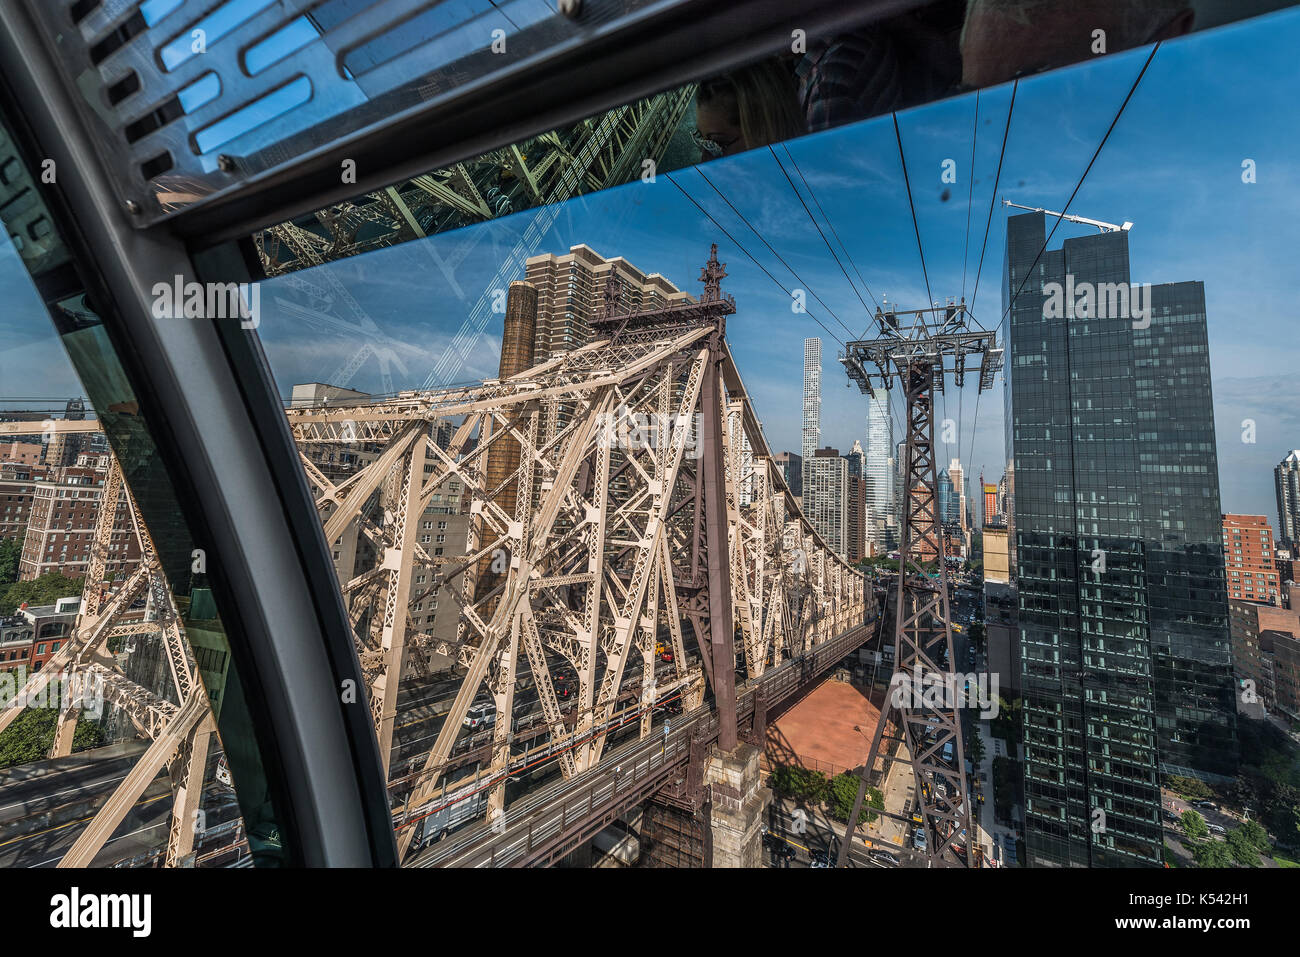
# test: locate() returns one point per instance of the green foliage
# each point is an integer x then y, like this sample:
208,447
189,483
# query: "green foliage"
1256,835
1007,723
45,590
1269,778
975,749
1243,850
792,781
1194,825
843,791
1211,854
31,735
1188,787
10,551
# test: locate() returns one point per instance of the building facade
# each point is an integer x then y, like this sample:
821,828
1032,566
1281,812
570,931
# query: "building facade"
879,472
1249,559
1286,484
826,498
791,467
17,483
61,525
1114,545
571,292
812,403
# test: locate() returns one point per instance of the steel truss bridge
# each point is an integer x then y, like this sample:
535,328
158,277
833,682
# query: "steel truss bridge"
585,551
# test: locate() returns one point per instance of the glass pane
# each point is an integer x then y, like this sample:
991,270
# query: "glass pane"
380,349
123,723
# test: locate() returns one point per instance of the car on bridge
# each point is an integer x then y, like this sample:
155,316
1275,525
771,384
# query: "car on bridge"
481,716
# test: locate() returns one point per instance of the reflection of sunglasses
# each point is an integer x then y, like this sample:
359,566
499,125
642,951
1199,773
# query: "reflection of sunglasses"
712,147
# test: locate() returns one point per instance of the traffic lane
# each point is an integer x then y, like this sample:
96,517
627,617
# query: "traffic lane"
1179,806
811,837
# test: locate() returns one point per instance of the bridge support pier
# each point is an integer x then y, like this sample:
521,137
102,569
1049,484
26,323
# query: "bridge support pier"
739,806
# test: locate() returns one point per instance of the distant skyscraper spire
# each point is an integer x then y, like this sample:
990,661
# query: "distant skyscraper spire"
812,402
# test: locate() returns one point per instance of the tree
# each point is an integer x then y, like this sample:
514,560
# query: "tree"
1256,835
792,781
844,791
1194,825
45,590
1243,850
975,749
10,551
1211,854
31,735
1188,787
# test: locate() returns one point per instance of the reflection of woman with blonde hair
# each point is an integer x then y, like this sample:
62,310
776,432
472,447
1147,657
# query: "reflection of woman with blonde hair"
749,107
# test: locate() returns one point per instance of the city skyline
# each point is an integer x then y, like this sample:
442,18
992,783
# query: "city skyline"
854,172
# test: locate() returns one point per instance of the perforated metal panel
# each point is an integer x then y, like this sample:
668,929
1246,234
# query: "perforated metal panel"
195,96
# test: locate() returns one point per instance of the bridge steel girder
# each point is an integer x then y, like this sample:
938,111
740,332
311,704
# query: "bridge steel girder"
642,490
181,733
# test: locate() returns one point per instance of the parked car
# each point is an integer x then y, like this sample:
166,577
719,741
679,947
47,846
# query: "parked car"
883,857
918,839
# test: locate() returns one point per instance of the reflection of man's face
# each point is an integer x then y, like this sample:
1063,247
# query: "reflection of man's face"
998,45
1004,40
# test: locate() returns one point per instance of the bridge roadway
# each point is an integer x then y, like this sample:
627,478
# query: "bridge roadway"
545,826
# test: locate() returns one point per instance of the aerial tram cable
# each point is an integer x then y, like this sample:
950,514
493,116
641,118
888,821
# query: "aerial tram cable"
755,231
746,252
817,203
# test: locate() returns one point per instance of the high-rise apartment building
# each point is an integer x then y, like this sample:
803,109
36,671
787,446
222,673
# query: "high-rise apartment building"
826,498
1286,483
1255,628
61,524
1115,546
855,548
1248,558
900,485
990,495
17,482
571,291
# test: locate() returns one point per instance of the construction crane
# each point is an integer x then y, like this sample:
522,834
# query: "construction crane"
1103,227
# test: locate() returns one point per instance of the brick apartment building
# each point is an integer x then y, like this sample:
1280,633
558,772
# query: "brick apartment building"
21,450
1261,633
17,483
30,637
61,526
1249,559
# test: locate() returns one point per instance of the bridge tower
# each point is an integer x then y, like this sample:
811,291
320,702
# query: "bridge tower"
918,350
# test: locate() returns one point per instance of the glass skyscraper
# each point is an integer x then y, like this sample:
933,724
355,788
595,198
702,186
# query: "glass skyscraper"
947,498
879,472
1113,514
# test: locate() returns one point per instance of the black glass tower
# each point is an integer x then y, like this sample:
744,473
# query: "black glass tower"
1114,519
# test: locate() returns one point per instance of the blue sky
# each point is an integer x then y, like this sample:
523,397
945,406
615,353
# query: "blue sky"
1172,167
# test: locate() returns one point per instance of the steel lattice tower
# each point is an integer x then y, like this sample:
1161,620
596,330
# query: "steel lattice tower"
919,353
